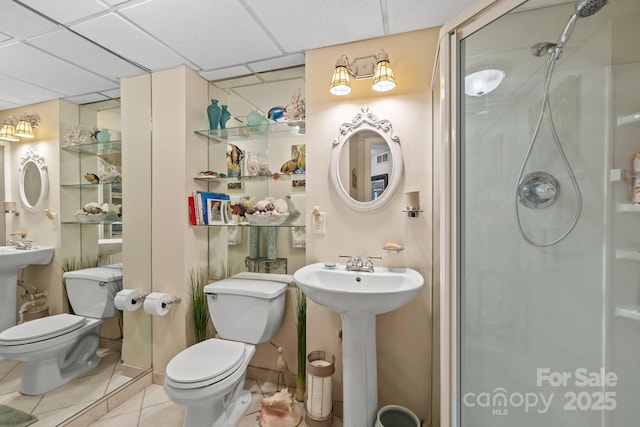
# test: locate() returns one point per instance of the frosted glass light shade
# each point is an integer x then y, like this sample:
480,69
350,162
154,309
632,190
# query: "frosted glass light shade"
24,129
383,79
340,83
7,132
483,82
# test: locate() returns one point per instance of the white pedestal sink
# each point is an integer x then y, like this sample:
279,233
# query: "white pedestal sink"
13,260
358,297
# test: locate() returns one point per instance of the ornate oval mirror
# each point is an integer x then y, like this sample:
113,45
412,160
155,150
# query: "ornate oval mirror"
366,162
34,182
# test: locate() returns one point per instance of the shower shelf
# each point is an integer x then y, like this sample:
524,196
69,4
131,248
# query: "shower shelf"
630,254
631,119
628,312
628,207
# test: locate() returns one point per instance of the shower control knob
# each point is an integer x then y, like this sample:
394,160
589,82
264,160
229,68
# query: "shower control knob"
538,190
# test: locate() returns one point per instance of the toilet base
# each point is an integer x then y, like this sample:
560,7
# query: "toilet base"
43,375
217,415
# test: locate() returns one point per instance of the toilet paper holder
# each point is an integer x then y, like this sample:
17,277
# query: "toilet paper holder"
139,298
173,300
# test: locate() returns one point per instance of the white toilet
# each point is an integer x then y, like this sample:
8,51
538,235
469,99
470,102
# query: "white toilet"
59,348
209,377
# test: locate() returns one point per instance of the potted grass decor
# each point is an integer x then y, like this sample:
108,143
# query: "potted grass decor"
301,326
198,280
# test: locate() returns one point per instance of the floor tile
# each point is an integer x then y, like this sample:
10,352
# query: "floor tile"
83,389
163,415
20,401
154,395
11,381
57,416
134,404
128,419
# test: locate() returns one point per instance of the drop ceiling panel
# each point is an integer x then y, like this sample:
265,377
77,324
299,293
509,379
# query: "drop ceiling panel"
118,35
4,105
85,99
262,96
73,48
307,24
21,93
410,15
276,63
225,73
66,11
113,93
19,22
46,71
211,34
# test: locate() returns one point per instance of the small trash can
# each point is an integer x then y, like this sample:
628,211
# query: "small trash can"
396,416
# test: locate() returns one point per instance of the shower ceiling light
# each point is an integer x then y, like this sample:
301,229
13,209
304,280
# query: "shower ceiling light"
482,82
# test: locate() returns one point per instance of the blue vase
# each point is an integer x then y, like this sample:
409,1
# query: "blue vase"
225,115
214,112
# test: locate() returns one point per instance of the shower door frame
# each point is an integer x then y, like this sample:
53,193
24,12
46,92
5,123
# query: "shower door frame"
446,143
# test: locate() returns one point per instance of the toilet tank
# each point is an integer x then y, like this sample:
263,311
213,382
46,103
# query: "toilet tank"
91,291
246,310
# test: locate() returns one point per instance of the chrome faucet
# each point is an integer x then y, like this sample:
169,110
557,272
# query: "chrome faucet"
356,264
20,244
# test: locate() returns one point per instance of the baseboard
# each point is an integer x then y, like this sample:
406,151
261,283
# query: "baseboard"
132,371
110,343
109,402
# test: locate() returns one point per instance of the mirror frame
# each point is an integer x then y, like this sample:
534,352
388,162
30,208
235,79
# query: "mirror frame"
32,157
367,120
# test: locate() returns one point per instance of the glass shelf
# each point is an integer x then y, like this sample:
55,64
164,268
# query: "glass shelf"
245,132
89,185
283,176
104,222
247,225
97,148
630,120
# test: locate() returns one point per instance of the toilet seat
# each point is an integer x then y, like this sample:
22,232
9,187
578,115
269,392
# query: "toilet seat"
205,363
41,329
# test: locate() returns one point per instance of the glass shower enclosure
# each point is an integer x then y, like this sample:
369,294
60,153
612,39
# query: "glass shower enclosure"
536,124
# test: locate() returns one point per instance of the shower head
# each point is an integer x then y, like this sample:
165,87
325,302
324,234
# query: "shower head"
586,8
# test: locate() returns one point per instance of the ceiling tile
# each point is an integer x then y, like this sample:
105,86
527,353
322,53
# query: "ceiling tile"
115,2
267,95
308,24
18,92
277,63
240,81
286,74
118,35
114,93
411,15
4,105
46,71
211,34
4,37
225,73
65,11
19,22
85,99
73,48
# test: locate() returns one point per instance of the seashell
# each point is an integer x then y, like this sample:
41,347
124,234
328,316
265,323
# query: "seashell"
280,205
262,205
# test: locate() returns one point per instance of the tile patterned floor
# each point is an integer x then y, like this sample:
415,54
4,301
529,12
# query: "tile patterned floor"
152,408
56,406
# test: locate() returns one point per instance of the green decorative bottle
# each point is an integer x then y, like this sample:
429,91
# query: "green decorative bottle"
225,115
214,111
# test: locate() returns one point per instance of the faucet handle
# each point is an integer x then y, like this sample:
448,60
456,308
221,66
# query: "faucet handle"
369,263
349,259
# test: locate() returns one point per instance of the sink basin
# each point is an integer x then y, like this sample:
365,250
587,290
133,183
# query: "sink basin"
357,292
359,297
13,260
108,247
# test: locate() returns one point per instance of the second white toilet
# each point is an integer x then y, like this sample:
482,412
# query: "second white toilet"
209,377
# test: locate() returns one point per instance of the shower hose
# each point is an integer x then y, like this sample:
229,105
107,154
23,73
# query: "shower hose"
546,107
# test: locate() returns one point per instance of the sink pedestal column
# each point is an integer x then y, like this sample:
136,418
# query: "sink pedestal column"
359,370
8,292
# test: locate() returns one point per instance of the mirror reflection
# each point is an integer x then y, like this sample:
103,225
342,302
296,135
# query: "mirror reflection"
365,166
31,183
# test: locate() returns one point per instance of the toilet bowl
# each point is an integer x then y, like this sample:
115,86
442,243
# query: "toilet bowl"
59,348
209,377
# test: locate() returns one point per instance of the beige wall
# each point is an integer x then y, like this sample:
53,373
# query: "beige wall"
403,336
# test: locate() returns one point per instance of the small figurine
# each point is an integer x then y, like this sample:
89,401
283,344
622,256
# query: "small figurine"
92,178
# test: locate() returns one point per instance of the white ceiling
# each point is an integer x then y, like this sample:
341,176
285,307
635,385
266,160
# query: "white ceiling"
79,49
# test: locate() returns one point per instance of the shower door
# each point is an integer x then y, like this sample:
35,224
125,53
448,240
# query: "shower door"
540,333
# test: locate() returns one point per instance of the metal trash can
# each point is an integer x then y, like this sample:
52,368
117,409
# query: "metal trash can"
396,416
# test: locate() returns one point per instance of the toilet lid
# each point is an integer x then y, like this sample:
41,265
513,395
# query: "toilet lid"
211,360
41,329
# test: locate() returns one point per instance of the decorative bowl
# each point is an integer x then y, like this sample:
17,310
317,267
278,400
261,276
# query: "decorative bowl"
91,219
268,219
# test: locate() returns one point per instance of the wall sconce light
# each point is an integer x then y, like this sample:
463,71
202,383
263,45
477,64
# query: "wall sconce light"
26,124
12,128
8,130
376,67
11,208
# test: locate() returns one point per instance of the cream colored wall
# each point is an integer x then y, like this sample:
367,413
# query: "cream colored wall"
136,246
41,230
403,336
